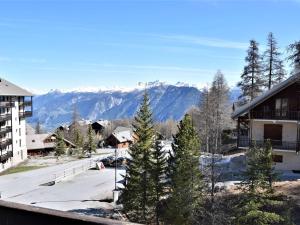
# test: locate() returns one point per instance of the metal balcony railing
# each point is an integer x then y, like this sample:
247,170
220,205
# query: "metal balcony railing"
276,144
7,104
276,115
5,130
25,103
25,114
6,156
5,117
4,144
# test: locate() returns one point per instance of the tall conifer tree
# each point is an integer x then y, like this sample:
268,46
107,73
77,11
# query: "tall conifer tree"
252,82
185,176
138,194
274,71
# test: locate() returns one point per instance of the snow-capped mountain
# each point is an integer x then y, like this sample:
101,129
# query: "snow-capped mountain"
167,101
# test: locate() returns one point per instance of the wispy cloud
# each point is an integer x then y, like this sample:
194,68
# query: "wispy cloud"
23,60
205,41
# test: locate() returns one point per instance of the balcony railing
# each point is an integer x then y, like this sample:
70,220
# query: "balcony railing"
6,156
277,114
4,144
276,144
5,117
26,103
5,130
7,104
25,114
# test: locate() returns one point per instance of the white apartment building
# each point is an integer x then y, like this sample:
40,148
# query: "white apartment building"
15,106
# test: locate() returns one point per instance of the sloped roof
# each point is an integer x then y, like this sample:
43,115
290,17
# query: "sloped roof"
36,141
123,134
9,89
103,123
266,95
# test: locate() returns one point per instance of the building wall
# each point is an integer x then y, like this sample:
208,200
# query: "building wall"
289,130
290,161
18,137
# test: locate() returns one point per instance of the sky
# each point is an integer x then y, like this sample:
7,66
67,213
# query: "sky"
72,44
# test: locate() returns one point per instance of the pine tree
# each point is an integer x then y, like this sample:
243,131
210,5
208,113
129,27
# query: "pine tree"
259,205
90,145
138,193
274,71
78,139
252,83
38,128
185,177
267,167
159,166
294,57
60,147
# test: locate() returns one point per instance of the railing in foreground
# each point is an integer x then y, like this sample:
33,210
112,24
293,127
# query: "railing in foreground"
19,214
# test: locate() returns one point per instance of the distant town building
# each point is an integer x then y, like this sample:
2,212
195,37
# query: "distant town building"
15,106
100,125
43,144
121,137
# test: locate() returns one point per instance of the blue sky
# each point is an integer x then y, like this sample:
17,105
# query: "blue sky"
70,44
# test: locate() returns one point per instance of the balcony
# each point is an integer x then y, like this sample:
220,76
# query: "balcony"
25,114
5,117
7,104
6,156
276,144
276,115
5,130
26,103
4,144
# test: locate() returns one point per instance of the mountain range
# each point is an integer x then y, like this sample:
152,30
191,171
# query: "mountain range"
167,102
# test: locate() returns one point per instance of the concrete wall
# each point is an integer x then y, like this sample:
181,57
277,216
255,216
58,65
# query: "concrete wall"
17,214
291,160
18,136
289,130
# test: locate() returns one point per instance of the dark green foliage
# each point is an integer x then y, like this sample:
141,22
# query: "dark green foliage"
294,57
138,195
260,174
273,69
252,82
263,210
90,145
78,139
260,206
186,185
60,147
159,166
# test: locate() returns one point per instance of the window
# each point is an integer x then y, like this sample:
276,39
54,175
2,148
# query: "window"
281,107
277,158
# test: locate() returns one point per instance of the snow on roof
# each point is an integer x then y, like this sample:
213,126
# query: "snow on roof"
9,89
103,123
266,95
123,134
36,141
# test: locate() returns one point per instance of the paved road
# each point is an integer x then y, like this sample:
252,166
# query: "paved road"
76,193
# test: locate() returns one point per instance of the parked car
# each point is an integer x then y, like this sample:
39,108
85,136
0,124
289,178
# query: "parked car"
108,161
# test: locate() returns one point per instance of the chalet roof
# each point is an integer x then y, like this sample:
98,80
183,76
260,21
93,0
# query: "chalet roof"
9,89
266,95
37,141
103,123
123,134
